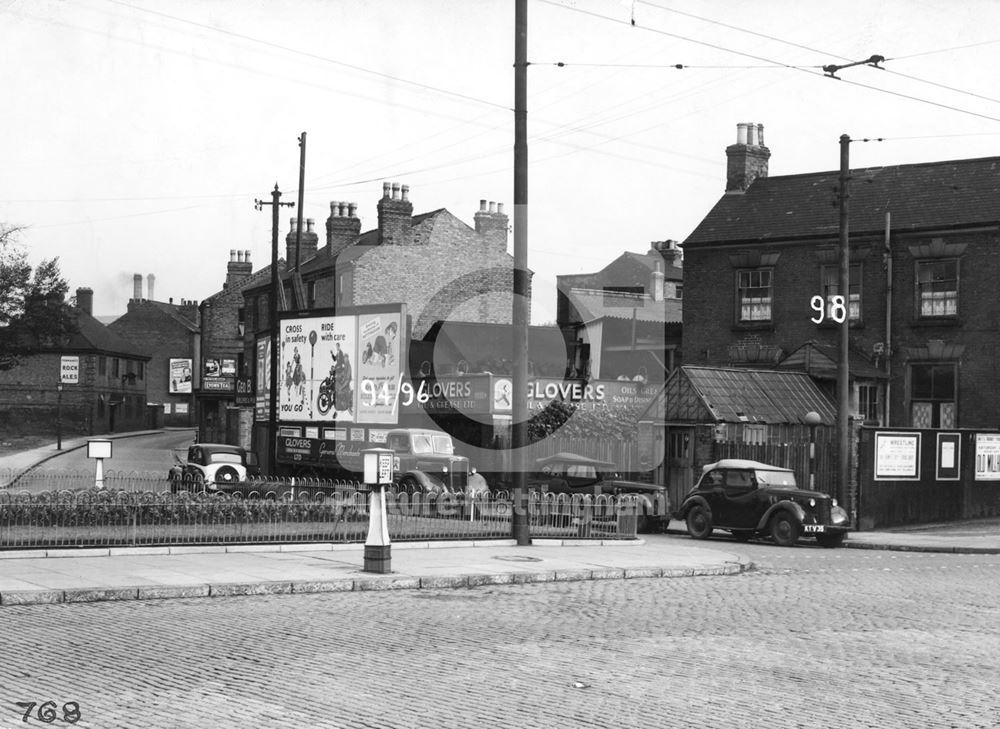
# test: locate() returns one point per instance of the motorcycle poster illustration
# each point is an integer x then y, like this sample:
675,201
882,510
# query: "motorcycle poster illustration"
316,362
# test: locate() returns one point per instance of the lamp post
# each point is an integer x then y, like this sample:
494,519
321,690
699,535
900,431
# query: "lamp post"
812,420
59,417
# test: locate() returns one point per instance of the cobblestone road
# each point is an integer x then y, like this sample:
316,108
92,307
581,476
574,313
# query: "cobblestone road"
813,638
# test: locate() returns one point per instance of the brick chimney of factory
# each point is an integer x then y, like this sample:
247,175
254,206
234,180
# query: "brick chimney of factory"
747,159
395,214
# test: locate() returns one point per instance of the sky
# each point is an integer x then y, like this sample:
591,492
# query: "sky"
136,135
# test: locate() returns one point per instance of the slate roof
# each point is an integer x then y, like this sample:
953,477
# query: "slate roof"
821,361
926,196
93,336
735,395
593,305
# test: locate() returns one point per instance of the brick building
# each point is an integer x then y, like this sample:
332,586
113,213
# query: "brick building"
624,321
169,334
924,260
440,267
105,391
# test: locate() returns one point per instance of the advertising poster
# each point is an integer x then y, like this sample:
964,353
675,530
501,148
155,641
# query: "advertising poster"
316,361
180,376
987,457
69,370
379,368
897,456
261,390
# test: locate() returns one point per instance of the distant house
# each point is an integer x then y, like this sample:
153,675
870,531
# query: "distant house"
93,382
921,302
169,334
624,321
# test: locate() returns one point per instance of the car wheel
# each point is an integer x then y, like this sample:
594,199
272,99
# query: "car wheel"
743,535
699,522
784,530
830,540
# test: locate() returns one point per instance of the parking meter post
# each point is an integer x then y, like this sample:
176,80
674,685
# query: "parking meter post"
377,474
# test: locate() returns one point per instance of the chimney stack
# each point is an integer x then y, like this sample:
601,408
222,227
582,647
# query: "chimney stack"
137,287
491,223
747,159
342,227
85,300
656,279
395,214
308,246
239,268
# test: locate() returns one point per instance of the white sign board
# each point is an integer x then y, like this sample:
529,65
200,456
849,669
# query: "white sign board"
987,457
69,370
897,456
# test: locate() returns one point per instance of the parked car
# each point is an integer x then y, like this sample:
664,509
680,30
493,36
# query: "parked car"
213,467
425,461
570,473
748,499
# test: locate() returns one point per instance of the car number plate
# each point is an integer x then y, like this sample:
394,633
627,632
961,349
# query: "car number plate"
814,528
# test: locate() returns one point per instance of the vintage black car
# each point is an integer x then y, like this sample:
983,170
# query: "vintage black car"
749,499
213,467
569,473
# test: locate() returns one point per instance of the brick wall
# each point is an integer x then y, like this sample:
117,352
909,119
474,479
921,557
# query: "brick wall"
710,312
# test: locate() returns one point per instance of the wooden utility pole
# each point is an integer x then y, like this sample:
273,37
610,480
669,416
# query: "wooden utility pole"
302,189
272,321
843,368
520,524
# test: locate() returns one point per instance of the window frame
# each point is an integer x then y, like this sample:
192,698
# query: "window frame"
918,288
935,402
768,300
829,283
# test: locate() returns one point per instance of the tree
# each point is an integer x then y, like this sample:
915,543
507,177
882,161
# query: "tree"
34,313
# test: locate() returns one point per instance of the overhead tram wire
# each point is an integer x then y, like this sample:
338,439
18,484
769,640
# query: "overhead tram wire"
767,60
834,55
299,52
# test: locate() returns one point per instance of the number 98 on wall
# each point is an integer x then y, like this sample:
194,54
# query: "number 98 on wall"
832,307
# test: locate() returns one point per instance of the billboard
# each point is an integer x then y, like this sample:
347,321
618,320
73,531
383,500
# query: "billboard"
180,376
69,370
344,368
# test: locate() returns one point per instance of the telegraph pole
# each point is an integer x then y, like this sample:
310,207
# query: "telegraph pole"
272,320
302,187
843,370
520,523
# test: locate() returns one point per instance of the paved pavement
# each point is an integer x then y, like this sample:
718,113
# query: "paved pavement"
45,576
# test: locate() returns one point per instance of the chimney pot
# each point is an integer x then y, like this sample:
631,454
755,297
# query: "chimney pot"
741,133
493,207
499,208
310,222
150,281
342,209
137,286
760,134
405,192
246,256
334,208
294,223
395,191
386,187
352,210
482,206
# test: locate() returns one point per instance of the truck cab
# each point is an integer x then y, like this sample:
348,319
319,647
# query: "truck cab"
425,461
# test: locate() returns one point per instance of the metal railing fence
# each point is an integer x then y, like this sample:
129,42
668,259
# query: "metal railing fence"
139,510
